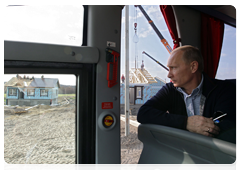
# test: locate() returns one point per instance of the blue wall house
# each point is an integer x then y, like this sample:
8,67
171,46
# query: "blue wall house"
139,93
32,91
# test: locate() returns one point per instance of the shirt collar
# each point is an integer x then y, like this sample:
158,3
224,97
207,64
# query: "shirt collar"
196,91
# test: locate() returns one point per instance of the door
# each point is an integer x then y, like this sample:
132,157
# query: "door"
131,95
21,95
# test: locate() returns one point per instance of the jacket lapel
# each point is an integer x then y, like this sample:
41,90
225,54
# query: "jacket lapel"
208,85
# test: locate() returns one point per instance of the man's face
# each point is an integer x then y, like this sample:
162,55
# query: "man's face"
179,72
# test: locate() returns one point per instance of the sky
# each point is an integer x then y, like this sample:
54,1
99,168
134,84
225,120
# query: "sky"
150,43
59,27
148,40
45,24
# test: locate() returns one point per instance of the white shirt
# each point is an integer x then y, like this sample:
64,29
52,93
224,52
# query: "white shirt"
193,101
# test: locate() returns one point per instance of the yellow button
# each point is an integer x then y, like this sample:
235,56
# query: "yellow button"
108,121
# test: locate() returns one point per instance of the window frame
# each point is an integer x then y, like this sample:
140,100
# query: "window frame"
85,87
11,89
28,91
136,92
45,95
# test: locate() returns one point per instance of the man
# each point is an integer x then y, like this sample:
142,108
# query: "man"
191,99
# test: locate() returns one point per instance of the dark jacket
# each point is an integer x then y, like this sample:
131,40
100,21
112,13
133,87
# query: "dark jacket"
167,107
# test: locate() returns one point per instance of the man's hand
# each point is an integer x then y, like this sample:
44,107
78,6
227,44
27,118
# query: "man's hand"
202,125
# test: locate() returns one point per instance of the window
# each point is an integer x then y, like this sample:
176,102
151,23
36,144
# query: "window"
139,92
43,135
12,92
58,24
44,92
31,92
145,34
227,63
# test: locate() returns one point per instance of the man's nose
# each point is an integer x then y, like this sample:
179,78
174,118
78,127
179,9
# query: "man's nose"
169,74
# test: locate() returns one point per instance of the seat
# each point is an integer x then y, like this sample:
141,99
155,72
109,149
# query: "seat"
166,145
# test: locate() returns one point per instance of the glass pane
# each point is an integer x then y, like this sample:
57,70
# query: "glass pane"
227,63
149,42
139,91
54,24
40,128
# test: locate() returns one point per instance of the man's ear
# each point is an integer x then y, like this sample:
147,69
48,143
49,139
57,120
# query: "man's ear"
194,66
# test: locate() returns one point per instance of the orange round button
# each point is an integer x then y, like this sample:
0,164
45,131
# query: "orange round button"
108,121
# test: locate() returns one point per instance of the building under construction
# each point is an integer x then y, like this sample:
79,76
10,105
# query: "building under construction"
142,86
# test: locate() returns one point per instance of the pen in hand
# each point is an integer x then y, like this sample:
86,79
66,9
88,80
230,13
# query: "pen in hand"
216,120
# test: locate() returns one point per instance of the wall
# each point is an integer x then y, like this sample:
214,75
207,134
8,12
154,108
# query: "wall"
149,90
52,94
11,97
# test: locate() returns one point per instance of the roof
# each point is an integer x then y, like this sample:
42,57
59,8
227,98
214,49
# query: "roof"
44,82
15,82
164,81
33,82
140,76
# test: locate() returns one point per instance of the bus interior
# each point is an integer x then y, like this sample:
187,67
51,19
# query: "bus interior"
96,66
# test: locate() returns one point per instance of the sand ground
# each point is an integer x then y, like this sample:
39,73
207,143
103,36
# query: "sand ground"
131,147
46,135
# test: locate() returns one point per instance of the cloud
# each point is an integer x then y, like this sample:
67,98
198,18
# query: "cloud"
144,33
226,73
155,12
223,54
227,29
147,32
163,30
130,19
139,14
149,10
229,33
156,70
152,9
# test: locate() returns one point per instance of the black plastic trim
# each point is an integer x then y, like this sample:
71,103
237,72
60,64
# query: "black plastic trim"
85,99
85,25
207,10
